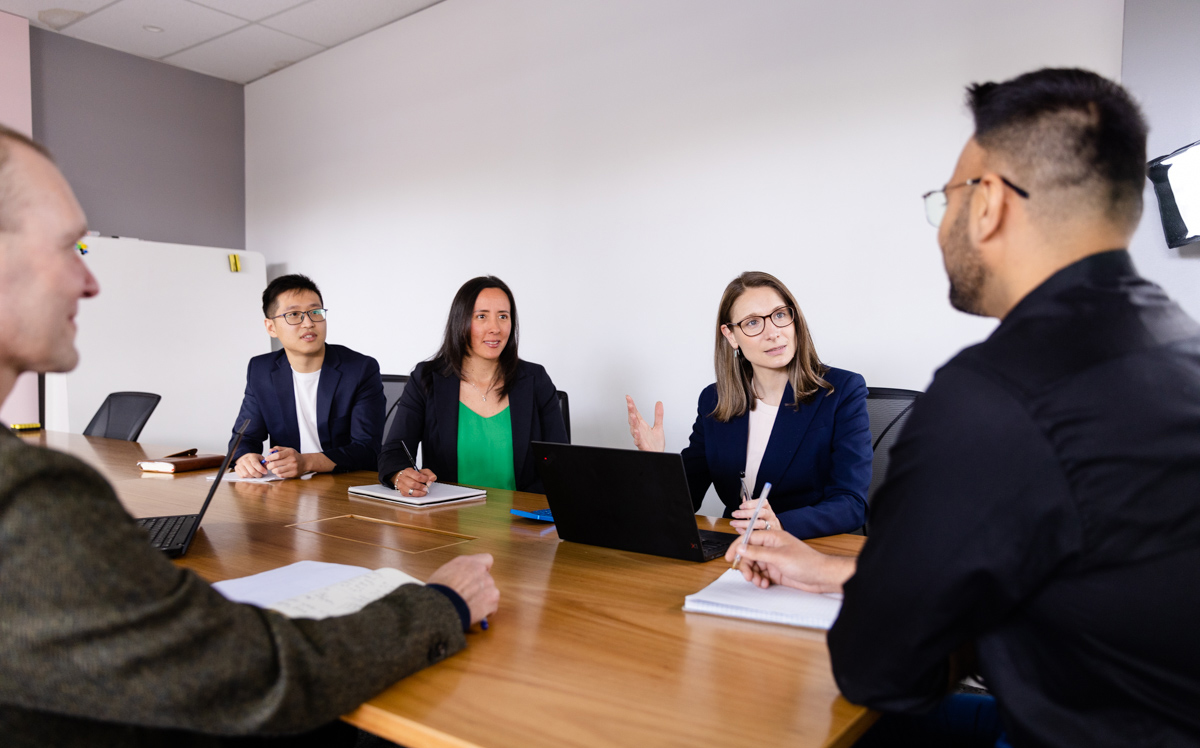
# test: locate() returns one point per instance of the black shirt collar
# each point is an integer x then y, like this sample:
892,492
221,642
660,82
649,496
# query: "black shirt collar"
1100,269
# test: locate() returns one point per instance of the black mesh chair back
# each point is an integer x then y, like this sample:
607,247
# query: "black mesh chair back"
888,409
565,405
123,415
393,387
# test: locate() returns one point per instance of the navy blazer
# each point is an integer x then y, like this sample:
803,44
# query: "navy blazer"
350,405
431,418
818,459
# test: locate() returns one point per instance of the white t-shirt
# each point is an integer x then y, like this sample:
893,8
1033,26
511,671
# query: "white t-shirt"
762,420
305,386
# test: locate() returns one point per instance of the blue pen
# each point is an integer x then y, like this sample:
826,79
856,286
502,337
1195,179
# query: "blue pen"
264,462
483,624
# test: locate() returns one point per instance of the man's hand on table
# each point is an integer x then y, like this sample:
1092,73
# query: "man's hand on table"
469,576
777,557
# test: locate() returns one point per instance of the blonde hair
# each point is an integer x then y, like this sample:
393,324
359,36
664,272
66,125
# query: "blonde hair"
735,375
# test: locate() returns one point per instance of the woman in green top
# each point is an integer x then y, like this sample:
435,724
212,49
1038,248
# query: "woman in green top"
475,406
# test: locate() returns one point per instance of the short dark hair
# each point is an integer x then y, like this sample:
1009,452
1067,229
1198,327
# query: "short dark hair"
456,342
1070,134
283,284
9,192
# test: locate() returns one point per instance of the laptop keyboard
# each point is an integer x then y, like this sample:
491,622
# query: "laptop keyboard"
714,543
163,530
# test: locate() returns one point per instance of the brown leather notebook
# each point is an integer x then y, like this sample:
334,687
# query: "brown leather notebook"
181,462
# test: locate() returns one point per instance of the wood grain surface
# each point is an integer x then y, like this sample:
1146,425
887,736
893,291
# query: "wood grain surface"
590,646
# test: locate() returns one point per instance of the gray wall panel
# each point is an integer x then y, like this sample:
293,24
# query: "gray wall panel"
1159,67
153,151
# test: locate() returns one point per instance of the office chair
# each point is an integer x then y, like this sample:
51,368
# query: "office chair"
565,407
123,415
888,409
393,387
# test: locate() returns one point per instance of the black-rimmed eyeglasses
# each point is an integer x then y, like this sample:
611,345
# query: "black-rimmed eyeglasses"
935,200
295,318
756,323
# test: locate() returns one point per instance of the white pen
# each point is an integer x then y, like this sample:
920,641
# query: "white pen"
753,520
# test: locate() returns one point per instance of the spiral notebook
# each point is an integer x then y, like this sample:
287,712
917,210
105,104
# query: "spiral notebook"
731,595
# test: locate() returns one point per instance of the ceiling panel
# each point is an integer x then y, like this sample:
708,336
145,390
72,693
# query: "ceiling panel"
331,22
251,10
246,54
238,40
183,24
74,9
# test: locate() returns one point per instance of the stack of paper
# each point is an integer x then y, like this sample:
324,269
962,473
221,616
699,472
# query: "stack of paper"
731,595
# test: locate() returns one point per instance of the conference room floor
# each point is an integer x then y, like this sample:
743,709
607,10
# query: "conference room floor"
590,646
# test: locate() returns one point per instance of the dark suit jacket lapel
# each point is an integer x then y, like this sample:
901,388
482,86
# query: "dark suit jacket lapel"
445,412
786,436
331,374
285,392
520,404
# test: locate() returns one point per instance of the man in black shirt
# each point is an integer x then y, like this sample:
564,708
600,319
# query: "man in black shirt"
1040,523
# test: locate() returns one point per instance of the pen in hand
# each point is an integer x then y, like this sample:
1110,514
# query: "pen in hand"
411,461
737,560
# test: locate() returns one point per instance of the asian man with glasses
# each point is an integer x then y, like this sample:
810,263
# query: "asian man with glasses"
321,405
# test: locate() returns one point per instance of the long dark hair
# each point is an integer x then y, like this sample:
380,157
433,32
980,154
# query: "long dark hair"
456,342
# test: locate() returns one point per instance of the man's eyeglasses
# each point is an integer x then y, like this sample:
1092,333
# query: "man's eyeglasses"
756,323
935,200
295,318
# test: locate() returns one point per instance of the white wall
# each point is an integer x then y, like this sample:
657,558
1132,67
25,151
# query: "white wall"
170,319
1159,68
16,111
617,162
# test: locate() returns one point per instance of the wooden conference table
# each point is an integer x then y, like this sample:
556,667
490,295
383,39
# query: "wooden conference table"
590,646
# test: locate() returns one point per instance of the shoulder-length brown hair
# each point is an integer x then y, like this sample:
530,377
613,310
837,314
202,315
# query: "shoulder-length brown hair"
735,374
456,342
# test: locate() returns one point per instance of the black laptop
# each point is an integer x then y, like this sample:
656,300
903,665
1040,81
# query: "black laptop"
173,535
625,499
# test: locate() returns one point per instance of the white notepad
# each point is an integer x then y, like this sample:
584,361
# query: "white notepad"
439,493
314,589
731,595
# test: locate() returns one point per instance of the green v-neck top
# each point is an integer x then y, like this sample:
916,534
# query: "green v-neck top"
485,449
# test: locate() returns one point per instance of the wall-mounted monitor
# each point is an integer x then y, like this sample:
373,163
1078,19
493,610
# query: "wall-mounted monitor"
1176,179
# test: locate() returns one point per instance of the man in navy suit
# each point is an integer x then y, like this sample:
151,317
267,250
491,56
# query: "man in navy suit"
321,405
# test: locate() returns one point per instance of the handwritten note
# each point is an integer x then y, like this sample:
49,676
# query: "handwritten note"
346,597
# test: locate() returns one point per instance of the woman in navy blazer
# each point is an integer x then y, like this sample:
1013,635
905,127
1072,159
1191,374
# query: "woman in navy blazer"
475,376
814,450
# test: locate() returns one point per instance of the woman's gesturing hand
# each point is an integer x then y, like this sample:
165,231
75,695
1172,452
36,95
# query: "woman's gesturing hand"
646,437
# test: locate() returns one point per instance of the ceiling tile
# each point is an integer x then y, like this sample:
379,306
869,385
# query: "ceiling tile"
251,10
331,22
31,8
245,55
119,26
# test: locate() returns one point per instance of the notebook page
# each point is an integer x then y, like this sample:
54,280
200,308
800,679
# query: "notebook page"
345,597
269,587
731,595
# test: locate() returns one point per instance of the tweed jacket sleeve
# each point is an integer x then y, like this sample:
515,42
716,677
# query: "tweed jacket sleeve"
94,624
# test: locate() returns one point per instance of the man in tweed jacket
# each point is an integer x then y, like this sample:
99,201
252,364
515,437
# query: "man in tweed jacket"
103,642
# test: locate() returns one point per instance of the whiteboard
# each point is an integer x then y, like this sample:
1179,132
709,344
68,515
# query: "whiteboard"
171,319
